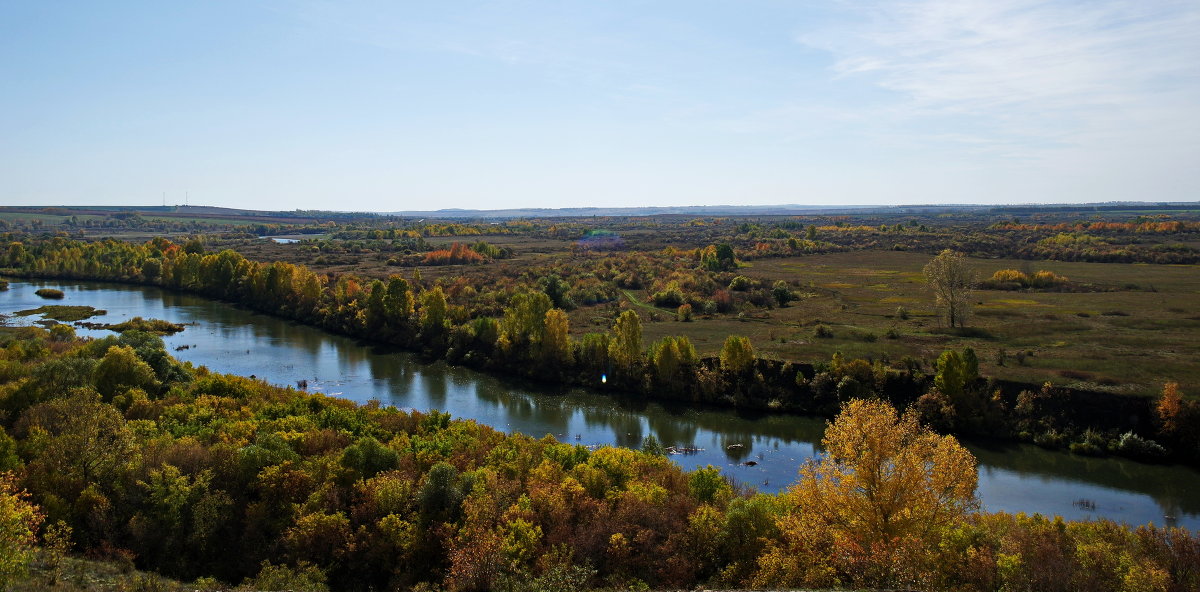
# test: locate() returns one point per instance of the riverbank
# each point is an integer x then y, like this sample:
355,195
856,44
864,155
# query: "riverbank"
521,341
758,450
225,477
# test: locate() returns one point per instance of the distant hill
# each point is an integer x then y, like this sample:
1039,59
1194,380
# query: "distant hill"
774,210
787,210
318,216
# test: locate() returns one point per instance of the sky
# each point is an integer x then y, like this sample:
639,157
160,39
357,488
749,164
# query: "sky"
397,105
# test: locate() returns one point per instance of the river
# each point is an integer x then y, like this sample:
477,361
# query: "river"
762,451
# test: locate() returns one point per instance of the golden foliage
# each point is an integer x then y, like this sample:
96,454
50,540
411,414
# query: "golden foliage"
885,486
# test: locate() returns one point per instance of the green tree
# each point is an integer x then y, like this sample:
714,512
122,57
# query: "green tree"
121,369
951,279
441,495
367,458
399,302
673,360
625,348
524,321
952,375
782,293
556,288
376,311
434,314
9,460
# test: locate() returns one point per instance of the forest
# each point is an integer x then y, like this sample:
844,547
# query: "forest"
113,450
903,329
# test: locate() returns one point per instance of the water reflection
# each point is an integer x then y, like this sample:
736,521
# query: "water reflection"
763,451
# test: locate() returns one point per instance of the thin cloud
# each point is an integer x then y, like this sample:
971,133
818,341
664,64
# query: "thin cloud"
1046,72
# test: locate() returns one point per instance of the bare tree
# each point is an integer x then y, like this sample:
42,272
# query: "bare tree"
951,280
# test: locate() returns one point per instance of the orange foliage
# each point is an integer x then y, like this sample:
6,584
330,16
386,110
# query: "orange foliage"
457,253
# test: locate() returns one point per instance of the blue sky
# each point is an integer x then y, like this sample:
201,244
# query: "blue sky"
384,106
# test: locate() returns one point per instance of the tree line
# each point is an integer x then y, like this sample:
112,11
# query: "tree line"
518,330
111,448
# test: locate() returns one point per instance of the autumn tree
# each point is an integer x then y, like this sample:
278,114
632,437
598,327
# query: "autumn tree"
1178,419
737,355
625,348
121,368
1169,408
19,521
434,313
951,280
673,360
884,482
718,257
524,321
556,341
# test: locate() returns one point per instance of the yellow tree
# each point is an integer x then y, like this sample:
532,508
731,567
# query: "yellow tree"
19,522
556,342
625,348
885,476
737,355
951,280
884,483
434,312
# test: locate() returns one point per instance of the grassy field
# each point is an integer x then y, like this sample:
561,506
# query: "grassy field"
1130,340
1137,327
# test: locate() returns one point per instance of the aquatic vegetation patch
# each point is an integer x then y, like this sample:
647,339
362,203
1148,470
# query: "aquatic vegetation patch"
155,326
62,312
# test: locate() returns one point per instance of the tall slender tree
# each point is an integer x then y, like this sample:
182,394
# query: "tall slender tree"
951,279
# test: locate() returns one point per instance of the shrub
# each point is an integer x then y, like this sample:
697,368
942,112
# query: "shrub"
670,297
50,293
740,283
684,313
1131,444
822,332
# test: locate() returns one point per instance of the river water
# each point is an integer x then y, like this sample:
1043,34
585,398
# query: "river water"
761,451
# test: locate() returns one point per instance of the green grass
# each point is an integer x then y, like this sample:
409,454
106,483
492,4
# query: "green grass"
1154,339
156,326
64,313
73,574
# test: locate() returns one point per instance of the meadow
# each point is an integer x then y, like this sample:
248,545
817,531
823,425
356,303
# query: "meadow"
1129,328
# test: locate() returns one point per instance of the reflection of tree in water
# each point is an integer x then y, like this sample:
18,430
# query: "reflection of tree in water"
400,383
460,378
672,430
626,427
1171,487
537,416
433,382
